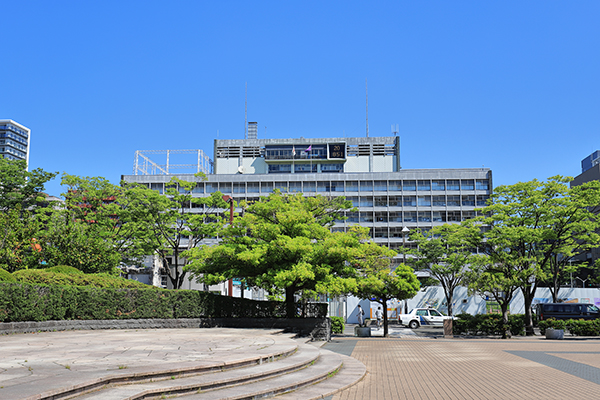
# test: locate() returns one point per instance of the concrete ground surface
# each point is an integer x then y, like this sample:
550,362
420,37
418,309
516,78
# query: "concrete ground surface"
408,365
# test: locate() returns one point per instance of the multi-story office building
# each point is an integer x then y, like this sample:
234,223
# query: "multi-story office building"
14,140
366,171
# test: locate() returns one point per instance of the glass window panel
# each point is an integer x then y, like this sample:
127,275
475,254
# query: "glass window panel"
212,187
352,217
438,185
380,186
424,201
157,186
454,216
239,187
310,187
395,216
381,216
409,201
199,188
332,167
453,201
282,186
295,187
381,201
266,187
280,168
381,232
424,216
354,200
409,185
468,215
439,201
410,216
395,201
351,186
452,185
366,217
337,186
253,187
424,185
468,201
481,200
366,186
467,184
366,201
395,185
225,187
305,168
438,216
323,187
340,229
482,184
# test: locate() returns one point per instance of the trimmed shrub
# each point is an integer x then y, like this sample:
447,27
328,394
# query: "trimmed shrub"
488,324
337,325
48,277
578,327
6,276
64,269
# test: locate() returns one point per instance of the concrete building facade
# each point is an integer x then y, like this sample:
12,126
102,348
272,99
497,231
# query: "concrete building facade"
14,140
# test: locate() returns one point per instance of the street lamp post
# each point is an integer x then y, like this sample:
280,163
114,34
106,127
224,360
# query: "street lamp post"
405,231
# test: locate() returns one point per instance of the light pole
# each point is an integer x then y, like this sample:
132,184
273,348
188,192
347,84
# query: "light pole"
229,199
405,231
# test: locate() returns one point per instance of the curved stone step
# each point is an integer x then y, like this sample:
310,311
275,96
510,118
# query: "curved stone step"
303,357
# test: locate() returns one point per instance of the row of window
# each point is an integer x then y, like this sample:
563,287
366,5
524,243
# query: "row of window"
340,186
369,217
305,168
13,144
11,135
14,152
420,201
14,129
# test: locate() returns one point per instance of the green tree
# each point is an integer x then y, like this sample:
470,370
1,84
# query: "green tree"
378,282
283,242
171,224
536,228
446,251
20,188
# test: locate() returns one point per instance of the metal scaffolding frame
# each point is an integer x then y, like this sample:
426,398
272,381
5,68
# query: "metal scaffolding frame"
143,165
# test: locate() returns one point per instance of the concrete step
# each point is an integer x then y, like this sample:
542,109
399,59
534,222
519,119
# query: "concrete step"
304,356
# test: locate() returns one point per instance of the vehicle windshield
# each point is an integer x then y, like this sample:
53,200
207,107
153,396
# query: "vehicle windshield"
593,308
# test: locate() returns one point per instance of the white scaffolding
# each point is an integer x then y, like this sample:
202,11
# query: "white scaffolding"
143,165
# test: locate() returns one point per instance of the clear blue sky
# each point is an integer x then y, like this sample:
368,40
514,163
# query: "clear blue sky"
511,85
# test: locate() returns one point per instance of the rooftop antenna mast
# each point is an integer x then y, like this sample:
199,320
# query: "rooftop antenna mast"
367,93
395,129
246,114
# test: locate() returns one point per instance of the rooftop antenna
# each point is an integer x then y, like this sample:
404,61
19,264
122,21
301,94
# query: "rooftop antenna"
367,93
394,129
246,114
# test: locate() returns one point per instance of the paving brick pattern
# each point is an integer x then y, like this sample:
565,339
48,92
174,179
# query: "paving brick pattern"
520,368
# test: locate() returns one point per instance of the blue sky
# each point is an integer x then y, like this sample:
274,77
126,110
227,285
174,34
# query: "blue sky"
511,85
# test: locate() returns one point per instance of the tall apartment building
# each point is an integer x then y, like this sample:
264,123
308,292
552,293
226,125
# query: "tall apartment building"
14,140
366,171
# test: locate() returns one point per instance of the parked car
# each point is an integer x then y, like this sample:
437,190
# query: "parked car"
423,316
566,311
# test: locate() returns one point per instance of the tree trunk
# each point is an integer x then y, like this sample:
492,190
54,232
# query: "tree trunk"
528,299
290,306
385,318
506,334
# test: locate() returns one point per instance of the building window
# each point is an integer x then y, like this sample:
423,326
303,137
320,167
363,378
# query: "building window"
253,187
366,201
482,184
282,186
280,168
332,168
482,200
467,184
380,186
199,188
409,201
366,186
157,186
354,200
225,187
468,215
381,232
454,216
310,187
266,187
352,217
306,168
323,187
395,216
295,187
438,216
453,201
212,187
381,217
395,201
468,201
381,201
453,185
337,186
352,186
409,186
424,216
239,187
439,201
366,217
395,186
410,216
424,185
438,185
424,201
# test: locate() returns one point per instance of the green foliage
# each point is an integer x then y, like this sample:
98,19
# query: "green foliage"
64,269
6,276
488,324
578,327
337,324
20,188
25,302
48,277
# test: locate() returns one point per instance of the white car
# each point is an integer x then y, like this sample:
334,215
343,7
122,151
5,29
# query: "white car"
423,316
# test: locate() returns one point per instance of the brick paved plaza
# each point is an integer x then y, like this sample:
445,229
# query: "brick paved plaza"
427,368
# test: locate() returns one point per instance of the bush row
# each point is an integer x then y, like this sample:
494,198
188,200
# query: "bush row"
488,324
65,277
578,327
337,325
25,302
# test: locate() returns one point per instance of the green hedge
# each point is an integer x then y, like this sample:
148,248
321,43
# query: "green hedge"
337,325
25,302
6,276
578,327
487,324
69,278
